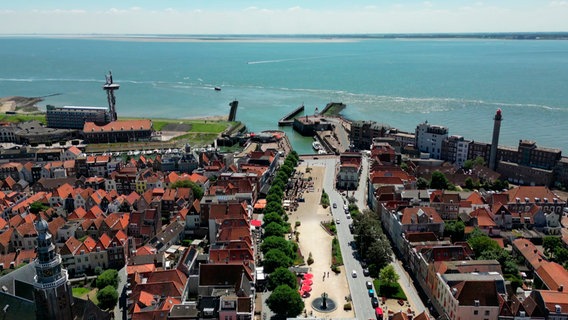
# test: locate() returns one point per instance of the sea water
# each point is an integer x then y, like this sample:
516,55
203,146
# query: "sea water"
458,83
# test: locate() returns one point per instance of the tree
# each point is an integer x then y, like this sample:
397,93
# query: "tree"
275,259
272,217
274,229
282,276
439,181
422,183
197,190
481,243
274,206
389,276
107,278
37,207
285,302
550,243
455,230
108,297
380,253
469,184
274,242
469,164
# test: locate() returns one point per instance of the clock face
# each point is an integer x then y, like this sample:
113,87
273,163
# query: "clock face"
47,272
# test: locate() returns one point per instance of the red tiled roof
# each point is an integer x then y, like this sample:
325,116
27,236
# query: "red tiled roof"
70,246
119,125
553,275
529,252
90,243
411,215
74,150
104,240
552,298
483,216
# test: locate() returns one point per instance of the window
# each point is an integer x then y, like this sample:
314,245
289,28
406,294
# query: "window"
475,312
486,312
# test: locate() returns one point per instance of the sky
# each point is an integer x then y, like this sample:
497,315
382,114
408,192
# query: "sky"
281,16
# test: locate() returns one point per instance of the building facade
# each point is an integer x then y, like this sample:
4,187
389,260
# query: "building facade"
429,138
73,117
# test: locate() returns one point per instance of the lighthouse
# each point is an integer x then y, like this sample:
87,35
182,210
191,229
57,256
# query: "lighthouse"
495,141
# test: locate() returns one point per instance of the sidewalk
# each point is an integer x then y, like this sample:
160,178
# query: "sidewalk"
313,238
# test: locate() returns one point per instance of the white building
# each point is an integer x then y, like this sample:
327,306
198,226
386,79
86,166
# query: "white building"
429,139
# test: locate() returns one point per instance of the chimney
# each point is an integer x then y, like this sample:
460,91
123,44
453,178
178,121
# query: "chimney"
561,288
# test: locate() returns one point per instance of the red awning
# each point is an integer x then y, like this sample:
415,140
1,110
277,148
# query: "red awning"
256,223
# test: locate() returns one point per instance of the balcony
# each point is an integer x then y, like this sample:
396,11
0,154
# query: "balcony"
54,284
51,264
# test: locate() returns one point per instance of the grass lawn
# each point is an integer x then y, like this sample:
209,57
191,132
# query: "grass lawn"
81,293
17,118
393,292
210,126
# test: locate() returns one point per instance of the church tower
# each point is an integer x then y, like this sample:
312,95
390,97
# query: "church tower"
52,292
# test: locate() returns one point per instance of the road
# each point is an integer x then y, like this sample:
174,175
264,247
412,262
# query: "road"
360,298
359,294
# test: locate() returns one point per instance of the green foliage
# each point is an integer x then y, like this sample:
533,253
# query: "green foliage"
372,244
481,243
274,242
274,229
516,282
38,207
336,258
272,217
469,164
297,224
108,297
79,291
107,278
98,271
439,181
393,291
285,302
388,275
275,206
455,230
282,276
486,248
275,259
550,243
310,259
469,184
422,183
347,306
197,190
324,199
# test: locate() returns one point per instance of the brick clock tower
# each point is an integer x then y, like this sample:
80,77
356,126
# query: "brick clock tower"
52,293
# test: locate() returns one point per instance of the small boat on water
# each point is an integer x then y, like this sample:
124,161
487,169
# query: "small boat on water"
317,146
217,88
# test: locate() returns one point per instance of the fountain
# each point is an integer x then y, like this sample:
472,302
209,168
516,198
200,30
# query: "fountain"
324,303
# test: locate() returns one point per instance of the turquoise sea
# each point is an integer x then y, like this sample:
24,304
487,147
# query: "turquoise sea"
452,82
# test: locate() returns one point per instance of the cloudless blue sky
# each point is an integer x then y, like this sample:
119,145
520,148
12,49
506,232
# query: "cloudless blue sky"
282,16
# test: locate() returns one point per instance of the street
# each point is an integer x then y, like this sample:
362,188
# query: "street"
359,294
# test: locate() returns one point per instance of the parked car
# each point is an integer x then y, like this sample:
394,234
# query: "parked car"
366,272
369,285
354,274
351,228
336,221
371,293
375,302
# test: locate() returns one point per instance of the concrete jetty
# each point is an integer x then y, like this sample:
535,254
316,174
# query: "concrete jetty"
288,119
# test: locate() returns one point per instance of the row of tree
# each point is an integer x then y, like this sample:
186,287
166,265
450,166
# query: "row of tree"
279,253
372,245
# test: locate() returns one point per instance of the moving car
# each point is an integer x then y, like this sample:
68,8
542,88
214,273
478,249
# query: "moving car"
337,221
354,274
334,205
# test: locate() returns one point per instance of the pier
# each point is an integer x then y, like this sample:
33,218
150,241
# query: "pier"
338,106
288,119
